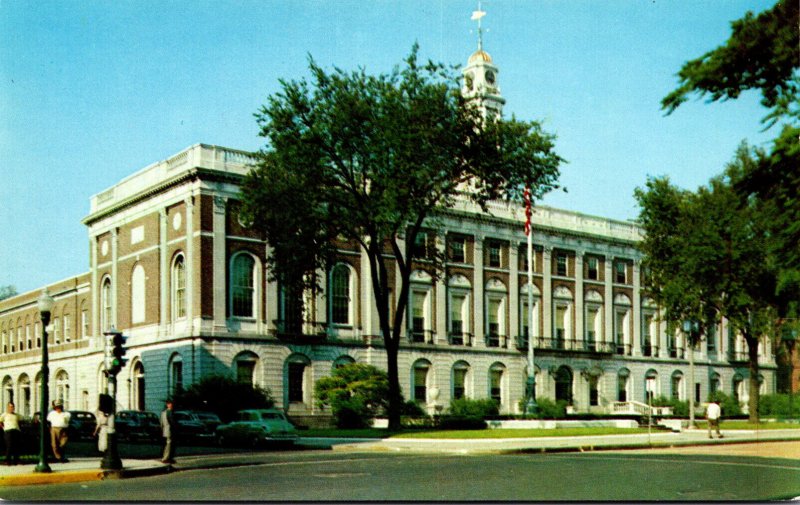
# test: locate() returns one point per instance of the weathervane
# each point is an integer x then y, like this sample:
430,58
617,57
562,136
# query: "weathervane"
477,15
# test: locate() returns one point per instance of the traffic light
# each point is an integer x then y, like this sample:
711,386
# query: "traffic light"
117,345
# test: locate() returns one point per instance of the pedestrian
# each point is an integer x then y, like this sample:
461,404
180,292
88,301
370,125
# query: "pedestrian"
59,424
168,432
101,430
9,421
713,413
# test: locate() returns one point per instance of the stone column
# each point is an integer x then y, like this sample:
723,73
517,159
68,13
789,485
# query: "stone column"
608,299
547,293
190,264
96,330
163,262
663,348
440,298
514,302
115,284
219,258
477,290
580,331
637,309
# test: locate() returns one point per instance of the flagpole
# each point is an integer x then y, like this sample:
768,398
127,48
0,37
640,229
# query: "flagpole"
530,405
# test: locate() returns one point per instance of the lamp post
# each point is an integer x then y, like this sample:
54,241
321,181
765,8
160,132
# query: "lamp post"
690,328
45,305
789,337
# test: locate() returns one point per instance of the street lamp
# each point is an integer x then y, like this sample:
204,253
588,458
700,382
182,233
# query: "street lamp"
45,305
690,329
789,337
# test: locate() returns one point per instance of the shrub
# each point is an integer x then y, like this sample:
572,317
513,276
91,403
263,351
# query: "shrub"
730,406
467,407
461,423
412,409
778,405
223,396
356,393
679,408
548,409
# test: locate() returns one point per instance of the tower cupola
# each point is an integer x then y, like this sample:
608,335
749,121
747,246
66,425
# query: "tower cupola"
480,76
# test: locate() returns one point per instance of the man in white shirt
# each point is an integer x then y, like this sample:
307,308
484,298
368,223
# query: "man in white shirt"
9,421
713,413
59,422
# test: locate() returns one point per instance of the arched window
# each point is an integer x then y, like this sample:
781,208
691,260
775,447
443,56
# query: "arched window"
562,317
175,374
458,297
714,383
677,386
420,324
593,320
342,360
62,388
459,379
178,288
340,295
245,365
105,301
25,401
495,303
242,289
650,385
496,383
138,386
622,327
297,376
8,390
419,380
623,385
564,384
137,294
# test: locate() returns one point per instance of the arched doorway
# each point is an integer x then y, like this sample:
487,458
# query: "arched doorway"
138,386
564,384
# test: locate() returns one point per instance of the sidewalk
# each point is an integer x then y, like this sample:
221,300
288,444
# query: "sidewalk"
78,470
86,469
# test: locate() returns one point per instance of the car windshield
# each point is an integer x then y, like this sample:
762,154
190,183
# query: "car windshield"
208,416
271,415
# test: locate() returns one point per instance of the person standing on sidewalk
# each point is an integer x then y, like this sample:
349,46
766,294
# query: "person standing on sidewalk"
59,424
713,413
168,432
9,421
101,430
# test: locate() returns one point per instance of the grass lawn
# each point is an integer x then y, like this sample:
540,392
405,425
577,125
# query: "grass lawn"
470,434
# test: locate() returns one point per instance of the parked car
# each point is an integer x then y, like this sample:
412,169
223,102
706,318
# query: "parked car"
132,425
189,427
82,424
209,420
257,426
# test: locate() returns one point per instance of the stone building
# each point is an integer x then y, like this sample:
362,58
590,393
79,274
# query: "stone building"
174,268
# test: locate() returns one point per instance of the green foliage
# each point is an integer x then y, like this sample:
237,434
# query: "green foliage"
467,407
549,409
729,405
412,409
356,393
7,292
223,396
375,157
779,405
679,408
762,53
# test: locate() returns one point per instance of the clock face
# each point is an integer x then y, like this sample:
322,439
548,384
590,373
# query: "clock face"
468,80
489,77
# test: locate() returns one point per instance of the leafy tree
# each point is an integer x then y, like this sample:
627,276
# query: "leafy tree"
705,257
223,396
371,160
7,292
356,393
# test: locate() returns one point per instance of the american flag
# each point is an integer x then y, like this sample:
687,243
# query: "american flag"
528,210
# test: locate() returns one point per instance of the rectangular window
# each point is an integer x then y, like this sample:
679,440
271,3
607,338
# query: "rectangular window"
697,392
457,249
620,270
28,341
84,323
494,255
493,323
647,347
56,332
456,322
459,379
420,385
676,387
561,312
245,370
296,376
712,338
67,329
420,248
495,391
594,396
619,332
177,376
591,269
561,264
418,317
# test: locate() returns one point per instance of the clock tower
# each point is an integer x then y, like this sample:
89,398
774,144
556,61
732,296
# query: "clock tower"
480,77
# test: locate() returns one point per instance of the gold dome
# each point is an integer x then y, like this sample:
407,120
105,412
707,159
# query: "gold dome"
479,55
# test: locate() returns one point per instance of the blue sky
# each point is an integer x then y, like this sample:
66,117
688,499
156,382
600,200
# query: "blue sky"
91,91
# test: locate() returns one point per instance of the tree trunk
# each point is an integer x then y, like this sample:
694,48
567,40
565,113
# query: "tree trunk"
752,403
395,398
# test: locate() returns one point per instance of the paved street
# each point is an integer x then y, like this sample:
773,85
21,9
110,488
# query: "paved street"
681,474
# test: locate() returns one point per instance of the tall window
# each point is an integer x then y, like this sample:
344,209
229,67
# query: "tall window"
650,385
677,386
56,332
594,393
620,272
242,285
622,385
176,375
297,375
420,385
460,370
340,295
561,264
457,249
67,330
290,310
592,272
62,388
245,368
28,340
105,301
457,328
138,295
419,311
496,383
178,288
564,384
84,323
647,336
494,255
420,248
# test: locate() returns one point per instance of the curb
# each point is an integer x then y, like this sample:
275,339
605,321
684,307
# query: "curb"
69,476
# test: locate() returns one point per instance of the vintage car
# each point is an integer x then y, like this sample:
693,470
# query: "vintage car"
189,427
82,424
135,425
255,427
